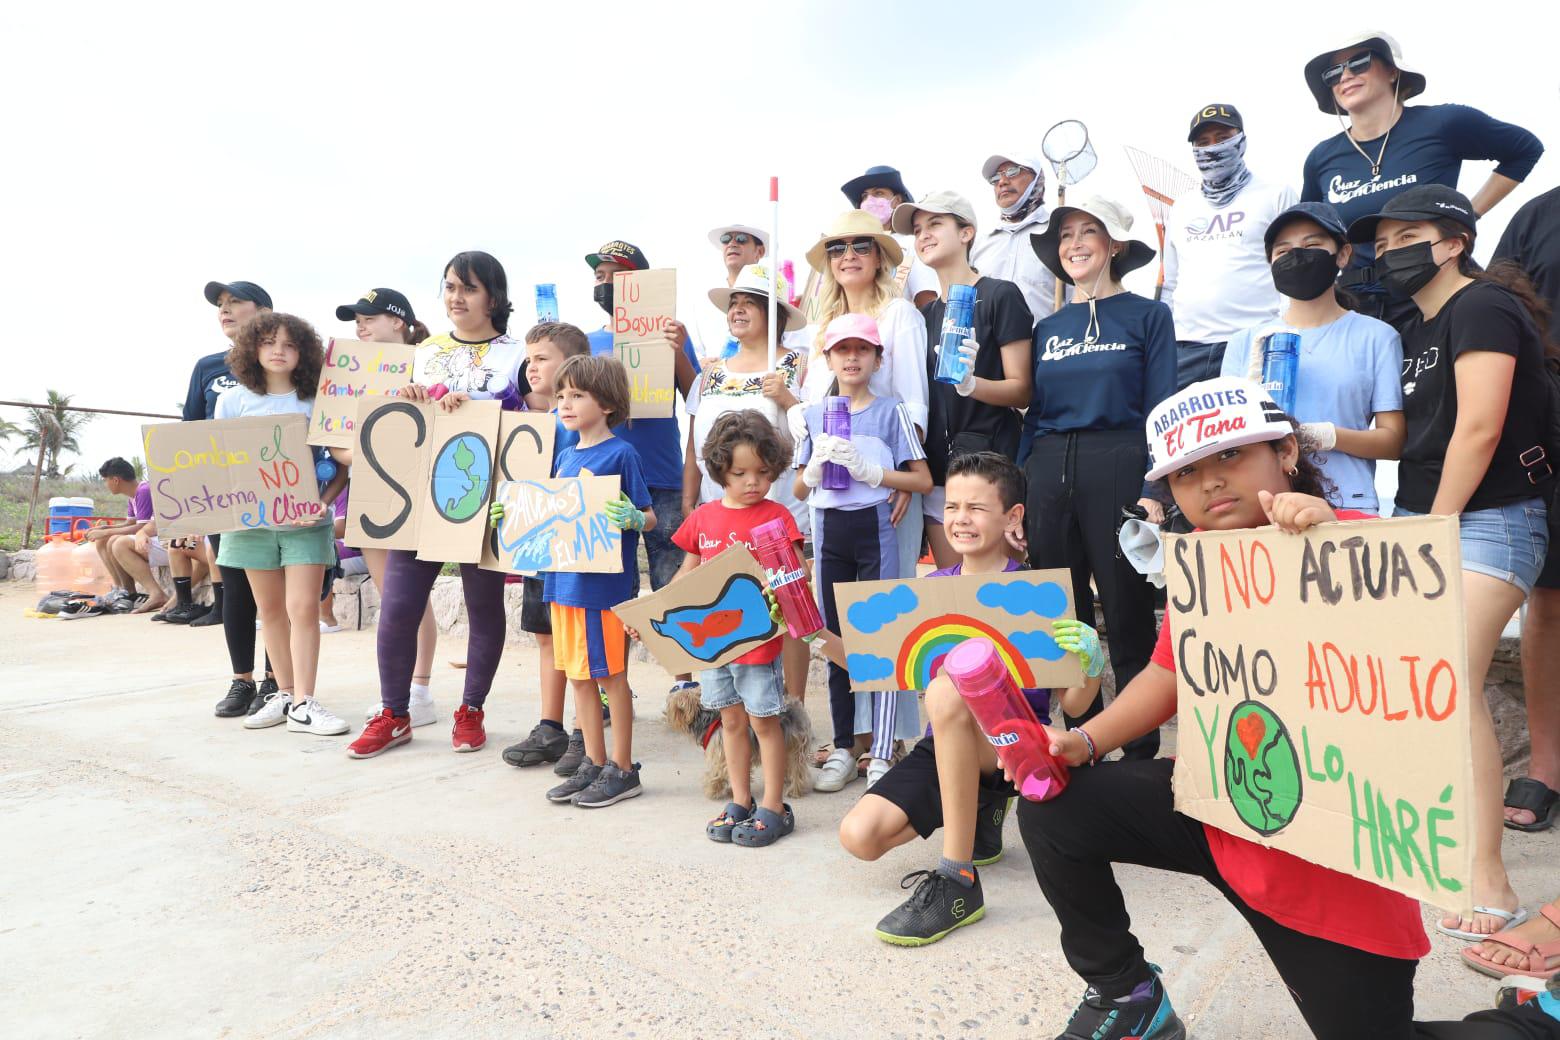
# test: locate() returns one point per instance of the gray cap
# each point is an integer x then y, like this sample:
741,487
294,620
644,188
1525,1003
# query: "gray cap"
937,202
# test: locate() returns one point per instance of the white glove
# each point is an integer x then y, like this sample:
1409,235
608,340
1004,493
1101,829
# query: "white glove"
967,350
863,469
796,421
812,473
1319,436
1254,361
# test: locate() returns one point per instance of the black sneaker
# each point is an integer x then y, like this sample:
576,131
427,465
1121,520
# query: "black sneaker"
573,756
612,785
936,907
544,744
237,702
1146,1018
182,614
267,687
583,777
210,617
988,831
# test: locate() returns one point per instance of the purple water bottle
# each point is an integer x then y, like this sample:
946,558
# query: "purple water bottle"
836,423
958,326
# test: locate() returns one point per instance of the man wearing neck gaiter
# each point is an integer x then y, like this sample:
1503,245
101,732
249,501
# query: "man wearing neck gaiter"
1017,182
1217,280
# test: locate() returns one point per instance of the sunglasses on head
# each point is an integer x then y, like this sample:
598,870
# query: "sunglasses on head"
738,237
1008,172
1356,65
860,246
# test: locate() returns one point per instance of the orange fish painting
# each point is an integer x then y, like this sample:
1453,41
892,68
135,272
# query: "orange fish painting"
714,625
735,620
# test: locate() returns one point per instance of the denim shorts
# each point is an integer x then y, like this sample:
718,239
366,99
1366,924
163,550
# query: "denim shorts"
757,687
1505,542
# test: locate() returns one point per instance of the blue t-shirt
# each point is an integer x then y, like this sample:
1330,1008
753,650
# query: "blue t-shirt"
657,440
601,591
207,381
1349,371
883,432
1110,384
1427,146
1039,700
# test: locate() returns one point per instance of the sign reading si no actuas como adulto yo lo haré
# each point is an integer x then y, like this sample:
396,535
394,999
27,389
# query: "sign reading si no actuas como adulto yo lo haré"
1322,697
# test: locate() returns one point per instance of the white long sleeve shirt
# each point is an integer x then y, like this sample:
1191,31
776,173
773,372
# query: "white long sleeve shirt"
1005,252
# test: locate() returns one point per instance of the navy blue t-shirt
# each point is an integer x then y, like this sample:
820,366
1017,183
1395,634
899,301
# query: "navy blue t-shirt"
1110,384
656,440
209,378
601,591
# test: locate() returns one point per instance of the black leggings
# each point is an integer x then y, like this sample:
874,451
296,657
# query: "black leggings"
239,613
854,545
1122,812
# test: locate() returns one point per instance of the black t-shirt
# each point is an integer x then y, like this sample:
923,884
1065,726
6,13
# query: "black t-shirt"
1532,241
957,425
1481,316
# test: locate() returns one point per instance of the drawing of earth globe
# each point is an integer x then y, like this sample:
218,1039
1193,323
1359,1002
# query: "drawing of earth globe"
461,473
1261,768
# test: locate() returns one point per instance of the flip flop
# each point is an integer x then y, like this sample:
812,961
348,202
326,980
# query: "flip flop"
1512,918
1537,798
1541,953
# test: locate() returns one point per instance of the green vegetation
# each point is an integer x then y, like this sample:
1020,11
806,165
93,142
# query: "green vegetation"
14,492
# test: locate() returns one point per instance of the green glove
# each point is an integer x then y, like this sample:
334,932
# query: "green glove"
778,616
495,514
1077,638
623,515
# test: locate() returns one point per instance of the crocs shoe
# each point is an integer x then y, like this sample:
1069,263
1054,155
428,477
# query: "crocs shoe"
719,829
764,827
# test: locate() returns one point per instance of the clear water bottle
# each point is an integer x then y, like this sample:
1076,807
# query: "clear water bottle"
1280,366
958,326
836,423
547,302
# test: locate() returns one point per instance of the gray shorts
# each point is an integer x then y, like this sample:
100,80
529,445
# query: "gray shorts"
757,687
353,565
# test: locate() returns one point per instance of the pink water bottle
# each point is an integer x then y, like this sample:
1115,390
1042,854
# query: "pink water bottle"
776,553
983,680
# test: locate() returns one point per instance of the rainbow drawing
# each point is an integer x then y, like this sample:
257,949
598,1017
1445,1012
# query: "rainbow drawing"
922,652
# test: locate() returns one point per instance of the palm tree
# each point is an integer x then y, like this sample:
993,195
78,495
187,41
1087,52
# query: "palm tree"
54,427
8,430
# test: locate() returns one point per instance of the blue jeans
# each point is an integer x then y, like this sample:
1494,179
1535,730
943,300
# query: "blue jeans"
665,558
1506,542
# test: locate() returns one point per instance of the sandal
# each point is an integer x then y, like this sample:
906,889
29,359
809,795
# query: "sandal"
1512,918
764,827
1538,955
1537,798
719,829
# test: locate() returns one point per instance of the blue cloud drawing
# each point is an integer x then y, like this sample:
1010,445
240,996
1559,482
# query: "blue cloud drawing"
1037,645
881,609
1045,598
868,667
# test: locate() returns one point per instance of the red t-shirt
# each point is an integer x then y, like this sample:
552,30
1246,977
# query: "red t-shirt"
714,527
1301,895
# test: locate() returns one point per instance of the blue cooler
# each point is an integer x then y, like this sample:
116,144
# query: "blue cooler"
63,510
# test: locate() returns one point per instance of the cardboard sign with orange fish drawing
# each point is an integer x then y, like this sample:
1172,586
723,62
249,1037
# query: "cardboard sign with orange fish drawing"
708,617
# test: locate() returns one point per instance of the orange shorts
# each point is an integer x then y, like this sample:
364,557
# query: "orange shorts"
588,644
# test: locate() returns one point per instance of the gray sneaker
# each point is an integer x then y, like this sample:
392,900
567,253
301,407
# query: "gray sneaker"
612,785
544,744
583,777
573,756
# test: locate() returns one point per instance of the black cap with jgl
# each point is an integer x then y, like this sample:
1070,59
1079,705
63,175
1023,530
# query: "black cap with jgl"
1223,115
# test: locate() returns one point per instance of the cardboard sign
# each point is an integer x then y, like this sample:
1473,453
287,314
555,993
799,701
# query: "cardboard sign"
353,371
230,474
1322,688
525,452
559,524
896,633
708,617
644,305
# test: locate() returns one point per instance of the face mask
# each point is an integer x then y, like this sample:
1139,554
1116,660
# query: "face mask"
1407,269
1023,200
880,208
1223,169
1304,274
602,294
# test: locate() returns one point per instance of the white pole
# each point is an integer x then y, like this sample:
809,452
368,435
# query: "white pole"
773,253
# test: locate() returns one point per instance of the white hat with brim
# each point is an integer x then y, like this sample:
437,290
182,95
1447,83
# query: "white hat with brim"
754,280
1410,83
851,224
1117,222
1208,417
763,237
950,202
989,168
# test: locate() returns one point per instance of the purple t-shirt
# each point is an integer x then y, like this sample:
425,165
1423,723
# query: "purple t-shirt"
1039,700
139,509
343,550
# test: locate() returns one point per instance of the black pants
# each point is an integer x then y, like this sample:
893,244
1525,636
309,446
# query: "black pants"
239,614
1195,361
850,545
1122,812
1078,484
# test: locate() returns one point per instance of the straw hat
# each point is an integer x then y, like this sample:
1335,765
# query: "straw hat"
855,224
754,280
1116,220
1410,83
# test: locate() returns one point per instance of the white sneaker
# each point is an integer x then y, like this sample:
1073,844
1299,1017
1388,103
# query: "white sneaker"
877,768
837,771
272,713
421,708
326,628
311,716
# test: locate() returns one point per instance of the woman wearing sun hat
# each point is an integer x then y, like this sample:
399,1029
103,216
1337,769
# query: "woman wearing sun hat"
1101,364
1387,146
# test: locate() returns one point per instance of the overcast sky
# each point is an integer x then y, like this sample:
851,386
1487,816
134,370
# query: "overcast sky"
323,148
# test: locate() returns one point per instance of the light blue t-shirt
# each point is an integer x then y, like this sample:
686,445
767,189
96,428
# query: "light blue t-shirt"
883,432
1349,371
240,401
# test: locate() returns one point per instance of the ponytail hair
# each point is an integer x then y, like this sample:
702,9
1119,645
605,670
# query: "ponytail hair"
1504,273
414,333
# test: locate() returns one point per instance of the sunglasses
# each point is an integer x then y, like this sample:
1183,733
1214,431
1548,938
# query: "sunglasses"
860,246
1008,172
1356,65
739,238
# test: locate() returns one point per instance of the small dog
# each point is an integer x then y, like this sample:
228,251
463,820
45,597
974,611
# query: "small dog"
683,712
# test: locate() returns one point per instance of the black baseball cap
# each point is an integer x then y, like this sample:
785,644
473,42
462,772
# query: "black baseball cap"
1324,214
239,291
1426,202
1223,115
619,252
377,301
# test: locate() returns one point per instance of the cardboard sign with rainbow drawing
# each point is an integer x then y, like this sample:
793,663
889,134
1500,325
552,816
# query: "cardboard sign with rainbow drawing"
897,632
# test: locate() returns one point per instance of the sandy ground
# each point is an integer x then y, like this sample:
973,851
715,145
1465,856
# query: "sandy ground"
168,874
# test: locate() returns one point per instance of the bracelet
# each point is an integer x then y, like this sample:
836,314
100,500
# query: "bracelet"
1094,754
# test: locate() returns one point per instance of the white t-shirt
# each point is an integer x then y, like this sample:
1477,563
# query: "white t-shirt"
1005,252
485,370
902,373
1217,279
240,401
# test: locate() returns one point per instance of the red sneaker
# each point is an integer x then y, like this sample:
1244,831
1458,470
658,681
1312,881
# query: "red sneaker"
382,732
468,734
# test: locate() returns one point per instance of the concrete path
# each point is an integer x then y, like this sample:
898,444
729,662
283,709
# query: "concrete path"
164,873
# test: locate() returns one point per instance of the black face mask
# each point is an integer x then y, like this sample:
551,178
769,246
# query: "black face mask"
1304,274
602,294
1407,269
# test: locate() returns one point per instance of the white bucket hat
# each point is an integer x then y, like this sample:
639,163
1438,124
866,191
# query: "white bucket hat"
1409,83
1117,221
754,280
1210,416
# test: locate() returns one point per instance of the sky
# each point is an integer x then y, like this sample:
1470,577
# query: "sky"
321,149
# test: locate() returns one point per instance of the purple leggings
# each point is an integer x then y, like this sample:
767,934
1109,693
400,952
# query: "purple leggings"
408,584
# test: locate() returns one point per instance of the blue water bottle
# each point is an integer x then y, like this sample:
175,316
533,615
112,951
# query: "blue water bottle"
958,326
547,302
1280,366
836,423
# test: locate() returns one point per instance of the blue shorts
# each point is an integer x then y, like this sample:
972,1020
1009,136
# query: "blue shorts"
1505,542
757,687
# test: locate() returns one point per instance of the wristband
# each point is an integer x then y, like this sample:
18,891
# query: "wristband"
1094,755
